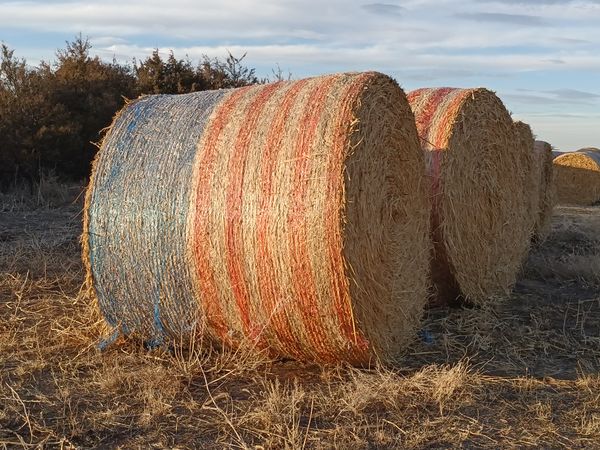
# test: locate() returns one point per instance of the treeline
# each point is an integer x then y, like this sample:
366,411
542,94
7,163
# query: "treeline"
51,116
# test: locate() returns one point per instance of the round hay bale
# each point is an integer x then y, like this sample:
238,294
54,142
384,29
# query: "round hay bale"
291,217
480,223
532,176
547,191
577,176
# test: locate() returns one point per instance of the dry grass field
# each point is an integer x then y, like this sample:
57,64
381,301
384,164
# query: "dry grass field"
523,374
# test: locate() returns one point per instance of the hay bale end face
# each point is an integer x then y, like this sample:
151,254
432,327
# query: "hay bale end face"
547,192
481,228
292,217
577,176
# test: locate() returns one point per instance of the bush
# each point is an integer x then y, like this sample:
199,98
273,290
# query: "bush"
52,115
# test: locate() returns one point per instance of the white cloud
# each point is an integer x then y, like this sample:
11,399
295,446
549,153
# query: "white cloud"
476,35
351,21
418,41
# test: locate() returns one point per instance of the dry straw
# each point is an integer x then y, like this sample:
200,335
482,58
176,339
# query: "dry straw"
481,227
547,192
292,217
577,177
532,177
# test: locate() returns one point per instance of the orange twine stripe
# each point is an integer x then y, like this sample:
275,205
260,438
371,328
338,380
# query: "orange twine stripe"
448,112
358,345
234,241
270,289
424,116
210,294
440,103
302,277
437,112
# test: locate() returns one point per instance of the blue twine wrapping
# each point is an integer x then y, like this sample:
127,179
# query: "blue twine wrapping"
104,343
138,212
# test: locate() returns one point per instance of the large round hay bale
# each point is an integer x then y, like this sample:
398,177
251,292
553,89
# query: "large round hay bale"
577,176
481,228
532,177
547,192
292,217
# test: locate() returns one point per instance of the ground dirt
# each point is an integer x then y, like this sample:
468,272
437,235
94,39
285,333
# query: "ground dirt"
524,373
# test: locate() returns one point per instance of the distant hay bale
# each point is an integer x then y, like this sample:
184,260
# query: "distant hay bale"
481,229
293,217
547,191
577,176
532,175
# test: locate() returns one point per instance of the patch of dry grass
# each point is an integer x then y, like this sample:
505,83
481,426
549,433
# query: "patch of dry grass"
522,374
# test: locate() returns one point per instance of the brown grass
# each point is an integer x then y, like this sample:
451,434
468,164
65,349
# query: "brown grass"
520,374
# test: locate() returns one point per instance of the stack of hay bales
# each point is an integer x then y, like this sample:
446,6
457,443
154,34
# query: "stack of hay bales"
577,176
540,187
547,192
293,217
532,179
481,225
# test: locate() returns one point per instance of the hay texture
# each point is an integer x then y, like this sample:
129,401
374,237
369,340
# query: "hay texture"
480,224
532,178
292,217
577,177
543,169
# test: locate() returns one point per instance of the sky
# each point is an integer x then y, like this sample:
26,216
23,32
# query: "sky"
542,57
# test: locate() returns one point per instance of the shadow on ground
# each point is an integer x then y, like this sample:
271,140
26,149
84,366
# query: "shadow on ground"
524,373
